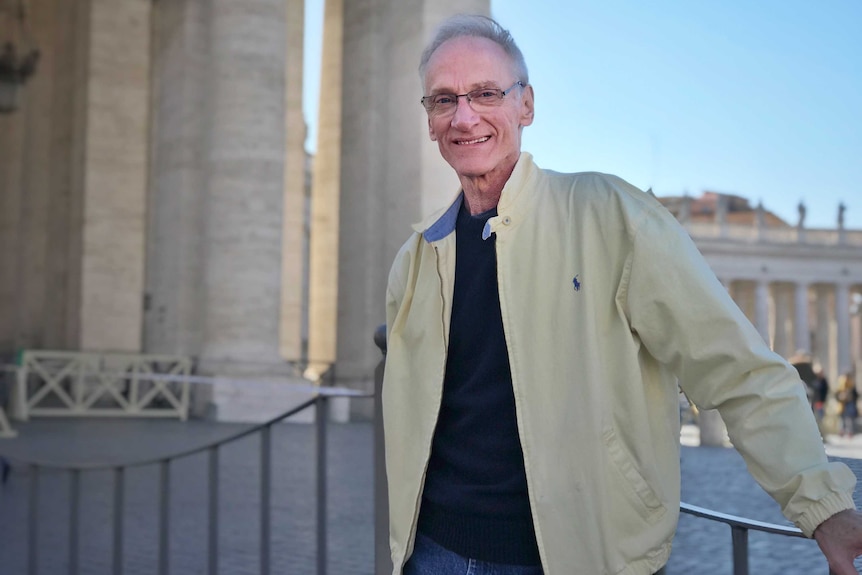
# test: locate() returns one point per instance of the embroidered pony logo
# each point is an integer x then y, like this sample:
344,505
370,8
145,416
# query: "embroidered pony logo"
576,283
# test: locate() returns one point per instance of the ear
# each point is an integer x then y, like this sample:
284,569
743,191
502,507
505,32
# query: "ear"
431,131
527,106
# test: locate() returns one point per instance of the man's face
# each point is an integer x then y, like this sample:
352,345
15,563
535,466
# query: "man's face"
477,142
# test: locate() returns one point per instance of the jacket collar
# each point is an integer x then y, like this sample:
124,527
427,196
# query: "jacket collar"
442,222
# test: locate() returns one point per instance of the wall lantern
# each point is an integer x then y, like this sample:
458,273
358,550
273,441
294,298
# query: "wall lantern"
18,58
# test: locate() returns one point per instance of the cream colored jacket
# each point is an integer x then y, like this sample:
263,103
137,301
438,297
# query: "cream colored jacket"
606,304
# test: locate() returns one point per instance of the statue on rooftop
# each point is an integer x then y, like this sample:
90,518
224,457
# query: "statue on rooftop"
721,209
801,209
841,209
685,208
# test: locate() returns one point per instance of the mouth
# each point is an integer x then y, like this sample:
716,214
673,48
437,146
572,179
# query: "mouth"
473,141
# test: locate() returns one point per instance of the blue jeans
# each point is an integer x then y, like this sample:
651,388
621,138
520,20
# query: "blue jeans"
429,558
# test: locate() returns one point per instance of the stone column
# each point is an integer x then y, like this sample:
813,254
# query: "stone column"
822,349
780,341
842,323
11,198
801,329
116,161
391,173
742,292
225,128
761,308
41,186
244,163
74,180
713,432
325,195
295,200
856,334
367,217
176,255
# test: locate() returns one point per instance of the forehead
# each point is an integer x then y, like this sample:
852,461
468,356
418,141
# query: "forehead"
467,62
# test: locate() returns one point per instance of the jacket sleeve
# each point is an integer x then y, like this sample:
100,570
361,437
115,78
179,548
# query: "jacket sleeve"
686,320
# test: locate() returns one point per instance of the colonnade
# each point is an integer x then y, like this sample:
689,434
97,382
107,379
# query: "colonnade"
803,292
819,318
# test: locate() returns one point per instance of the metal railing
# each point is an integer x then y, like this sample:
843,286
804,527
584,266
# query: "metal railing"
739,530
319,401
740,527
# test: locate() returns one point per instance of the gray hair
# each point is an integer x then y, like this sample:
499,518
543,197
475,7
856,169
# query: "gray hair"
476,26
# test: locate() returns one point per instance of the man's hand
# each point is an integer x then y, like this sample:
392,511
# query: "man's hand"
840,539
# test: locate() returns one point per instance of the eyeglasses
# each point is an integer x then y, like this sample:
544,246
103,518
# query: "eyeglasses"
442,104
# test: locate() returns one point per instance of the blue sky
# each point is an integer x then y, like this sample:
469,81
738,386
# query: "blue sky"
760,99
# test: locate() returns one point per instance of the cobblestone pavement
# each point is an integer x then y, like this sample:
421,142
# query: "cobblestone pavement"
711,477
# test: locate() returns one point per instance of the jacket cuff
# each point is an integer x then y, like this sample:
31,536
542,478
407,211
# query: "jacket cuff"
823,510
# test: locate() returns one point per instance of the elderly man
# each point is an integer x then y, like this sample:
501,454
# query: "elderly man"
538,327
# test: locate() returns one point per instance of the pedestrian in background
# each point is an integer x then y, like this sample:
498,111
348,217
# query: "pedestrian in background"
820,389
848,398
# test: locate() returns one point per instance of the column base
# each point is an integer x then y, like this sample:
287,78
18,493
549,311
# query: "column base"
713,433
239,394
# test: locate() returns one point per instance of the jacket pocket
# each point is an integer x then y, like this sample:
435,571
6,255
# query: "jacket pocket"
645,500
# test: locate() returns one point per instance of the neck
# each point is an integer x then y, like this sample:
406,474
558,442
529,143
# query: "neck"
482,193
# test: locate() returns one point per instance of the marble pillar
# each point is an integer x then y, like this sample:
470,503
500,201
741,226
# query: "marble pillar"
224,276
842,328
244,181
801,326
713,432
823,348
368,218
176,256
856,334
761,308
391,173
781,327
115,164
294,248
325,197
742,293
73,181
11,197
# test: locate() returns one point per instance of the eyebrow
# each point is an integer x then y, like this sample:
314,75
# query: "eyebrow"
474,86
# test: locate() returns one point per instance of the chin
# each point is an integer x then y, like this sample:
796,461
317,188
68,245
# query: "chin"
470,168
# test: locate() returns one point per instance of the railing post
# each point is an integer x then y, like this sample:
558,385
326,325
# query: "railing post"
74,512
320,419
739,536
33,524
119,497
382,557
164,516
212,541
265,492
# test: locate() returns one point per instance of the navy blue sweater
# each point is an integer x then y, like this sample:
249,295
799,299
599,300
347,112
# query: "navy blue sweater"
475,498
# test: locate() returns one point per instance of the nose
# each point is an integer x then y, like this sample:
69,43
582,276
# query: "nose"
465,116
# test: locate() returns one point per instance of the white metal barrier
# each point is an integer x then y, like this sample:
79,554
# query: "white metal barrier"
5,429
71,384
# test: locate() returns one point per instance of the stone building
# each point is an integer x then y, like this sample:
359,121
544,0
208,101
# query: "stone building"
801,288
153,195
152,184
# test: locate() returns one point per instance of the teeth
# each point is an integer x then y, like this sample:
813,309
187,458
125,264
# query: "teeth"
476,141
